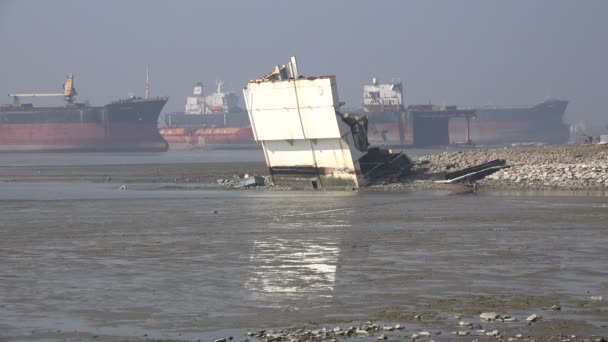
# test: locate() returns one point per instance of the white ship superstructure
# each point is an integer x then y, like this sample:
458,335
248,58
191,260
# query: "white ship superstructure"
219,102
386,97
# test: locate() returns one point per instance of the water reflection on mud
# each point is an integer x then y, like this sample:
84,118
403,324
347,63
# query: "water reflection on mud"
282,266
168,262
287,264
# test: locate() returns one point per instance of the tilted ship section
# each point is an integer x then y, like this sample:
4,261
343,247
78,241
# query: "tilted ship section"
307,141
124,125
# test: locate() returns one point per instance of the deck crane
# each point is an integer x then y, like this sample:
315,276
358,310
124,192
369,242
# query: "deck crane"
68,92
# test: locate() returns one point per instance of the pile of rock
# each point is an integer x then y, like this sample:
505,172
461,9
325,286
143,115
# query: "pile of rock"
332,334
552,176
567,167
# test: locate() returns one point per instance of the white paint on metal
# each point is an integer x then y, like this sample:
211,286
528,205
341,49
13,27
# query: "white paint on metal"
299,126
388,96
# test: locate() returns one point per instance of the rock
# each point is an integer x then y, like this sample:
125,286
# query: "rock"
556,307
361,332
489,316
220,340
464,324
123,187
399,327
508,319
462,333
387,328
596,298
492,333
424,334
533,318
519,336
381,337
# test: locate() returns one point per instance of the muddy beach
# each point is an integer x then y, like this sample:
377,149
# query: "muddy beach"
176,257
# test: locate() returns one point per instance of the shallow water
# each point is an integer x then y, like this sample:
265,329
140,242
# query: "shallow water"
88,257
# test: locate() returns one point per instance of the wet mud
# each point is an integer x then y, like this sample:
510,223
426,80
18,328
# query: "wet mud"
83,260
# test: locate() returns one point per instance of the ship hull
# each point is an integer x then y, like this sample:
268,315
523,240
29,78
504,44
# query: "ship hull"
123,126
208,137
187,131
542,123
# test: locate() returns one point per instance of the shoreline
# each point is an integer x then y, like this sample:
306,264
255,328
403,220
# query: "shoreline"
546,168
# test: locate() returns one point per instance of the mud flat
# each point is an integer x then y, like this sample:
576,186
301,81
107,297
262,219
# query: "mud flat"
146,264
176,173
173,257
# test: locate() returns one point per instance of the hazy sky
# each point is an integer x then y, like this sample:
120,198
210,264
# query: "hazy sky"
448,52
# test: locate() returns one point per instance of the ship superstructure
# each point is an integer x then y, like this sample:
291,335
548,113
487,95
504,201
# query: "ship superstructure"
215,103
208,120
380,98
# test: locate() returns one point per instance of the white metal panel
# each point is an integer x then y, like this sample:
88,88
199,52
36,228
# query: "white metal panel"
326,153
273,111
275,104
283,153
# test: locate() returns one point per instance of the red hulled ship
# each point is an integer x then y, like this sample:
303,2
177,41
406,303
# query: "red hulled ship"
123,125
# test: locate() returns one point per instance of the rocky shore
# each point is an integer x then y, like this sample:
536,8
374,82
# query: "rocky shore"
564,167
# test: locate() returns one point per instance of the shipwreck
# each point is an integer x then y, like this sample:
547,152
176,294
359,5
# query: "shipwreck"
307,142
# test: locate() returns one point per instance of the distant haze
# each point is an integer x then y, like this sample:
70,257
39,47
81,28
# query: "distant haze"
447,52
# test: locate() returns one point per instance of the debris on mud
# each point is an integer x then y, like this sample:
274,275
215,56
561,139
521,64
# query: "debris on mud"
242,181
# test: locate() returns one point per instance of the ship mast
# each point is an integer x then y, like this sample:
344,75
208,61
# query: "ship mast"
147,81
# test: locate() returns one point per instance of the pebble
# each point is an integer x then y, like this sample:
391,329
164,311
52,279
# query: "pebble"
508,319
492,333
489,316
533,318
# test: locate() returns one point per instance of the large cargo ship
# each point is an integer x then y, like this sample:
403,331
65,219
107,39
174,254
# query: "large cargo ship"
393,124
209,121
539,123
124,125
